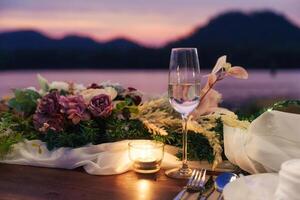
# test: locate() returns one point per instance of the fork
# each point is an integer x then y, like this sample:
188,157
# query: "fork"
194,184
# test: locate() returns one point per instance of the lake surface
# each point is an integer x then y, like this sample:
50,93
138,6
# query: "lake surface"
260,85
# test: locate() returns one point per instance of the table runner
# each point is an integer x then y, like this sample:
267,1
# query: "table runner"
101,159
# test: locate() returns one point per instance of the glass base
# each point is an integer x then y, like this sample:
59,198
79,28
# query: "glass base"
146,171
179,173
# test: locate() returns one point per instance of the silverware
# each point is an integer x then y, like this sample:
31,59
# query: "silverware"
194,184
206,195
221,181
208,189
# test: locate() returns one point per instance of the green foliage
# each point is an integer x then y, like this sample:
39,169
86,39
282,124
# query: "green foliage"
12,131
120,129
7,141
25,101
285,104
75,136
100,131
198,146
281,105
95,133
218,129
128,105
16,126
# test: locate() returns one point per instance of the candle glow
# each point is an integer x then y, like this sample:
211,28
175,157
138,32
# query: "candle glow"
146,155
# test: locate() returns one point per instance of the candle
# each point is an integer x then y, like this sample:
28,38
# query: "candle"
146,155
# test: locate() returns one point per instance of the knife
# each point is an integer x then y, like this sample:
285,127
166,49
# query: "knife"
208,189
180,194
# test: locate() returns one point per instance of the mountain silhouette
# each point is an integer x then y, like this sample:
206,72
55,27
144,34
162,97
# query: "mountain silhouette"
262,39
258,28
74,41
30,39
24,40
258,40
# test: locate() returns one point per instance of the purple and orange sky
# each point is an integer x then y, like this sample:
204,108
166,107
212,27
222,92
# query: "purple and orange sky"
150,22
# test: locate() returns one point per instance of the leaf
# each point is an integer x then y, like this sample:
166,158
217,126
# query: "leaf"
7,142
133,109
10,132
220,64
43,82
238,72
25,101
121,105
128,101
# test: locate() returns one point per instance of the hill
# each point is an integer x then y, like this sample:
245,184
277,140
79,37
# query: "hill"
30,40
256,40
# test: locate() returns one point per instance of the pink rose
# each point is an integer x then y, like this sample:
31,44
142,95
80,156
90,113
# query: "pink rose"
101,106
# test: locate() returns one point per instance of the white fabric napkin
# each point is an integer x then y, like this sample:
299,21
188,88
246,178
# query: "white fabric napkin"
289,181
267,186
271,139
102,159
254,187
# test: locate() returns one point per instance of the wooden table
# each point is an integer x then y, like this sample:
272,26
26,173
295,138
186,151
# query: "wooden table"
25,182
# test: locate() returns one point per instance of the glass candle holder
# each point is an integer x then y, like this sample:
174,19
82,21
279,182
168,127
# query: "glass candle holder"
146,155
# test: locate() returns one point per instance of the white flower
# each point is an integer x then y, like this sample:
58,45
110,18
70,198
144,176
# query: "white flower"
32,88
44,84
78,88
90,93
235,71
59,85
112,92
221,63
109,83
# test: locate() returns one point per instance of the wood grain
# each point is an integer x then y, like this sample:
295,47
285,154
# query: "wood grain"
25,182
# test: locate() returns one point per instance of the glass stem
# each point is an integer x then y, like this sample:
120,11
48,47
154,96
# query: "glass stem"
184,143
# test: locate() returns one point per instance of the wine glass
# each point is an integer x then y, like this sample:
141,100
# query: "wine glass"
184,96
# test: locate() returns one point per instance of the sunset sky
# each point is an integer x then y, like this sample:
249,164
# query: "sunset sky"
150,22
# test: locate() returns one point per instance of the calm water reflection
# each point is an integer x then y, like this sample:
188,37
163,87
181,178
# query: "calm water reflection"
260,85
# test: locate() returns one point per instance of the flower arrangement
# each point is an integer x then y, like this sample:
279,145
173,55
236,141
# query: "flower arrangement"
72,115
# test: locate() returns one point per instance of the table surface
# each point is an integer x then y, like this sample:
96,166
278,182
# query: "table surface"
26,182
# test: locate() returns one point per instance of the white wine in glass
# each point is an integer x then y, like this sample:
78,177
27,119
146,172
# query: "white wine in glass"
184,96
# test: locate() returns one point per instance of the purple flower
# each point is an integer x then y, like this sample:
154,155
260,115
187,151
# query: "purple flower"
95,86
101,106
75,108
131,89
134,95
47,115
136,99
43,122
49,104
